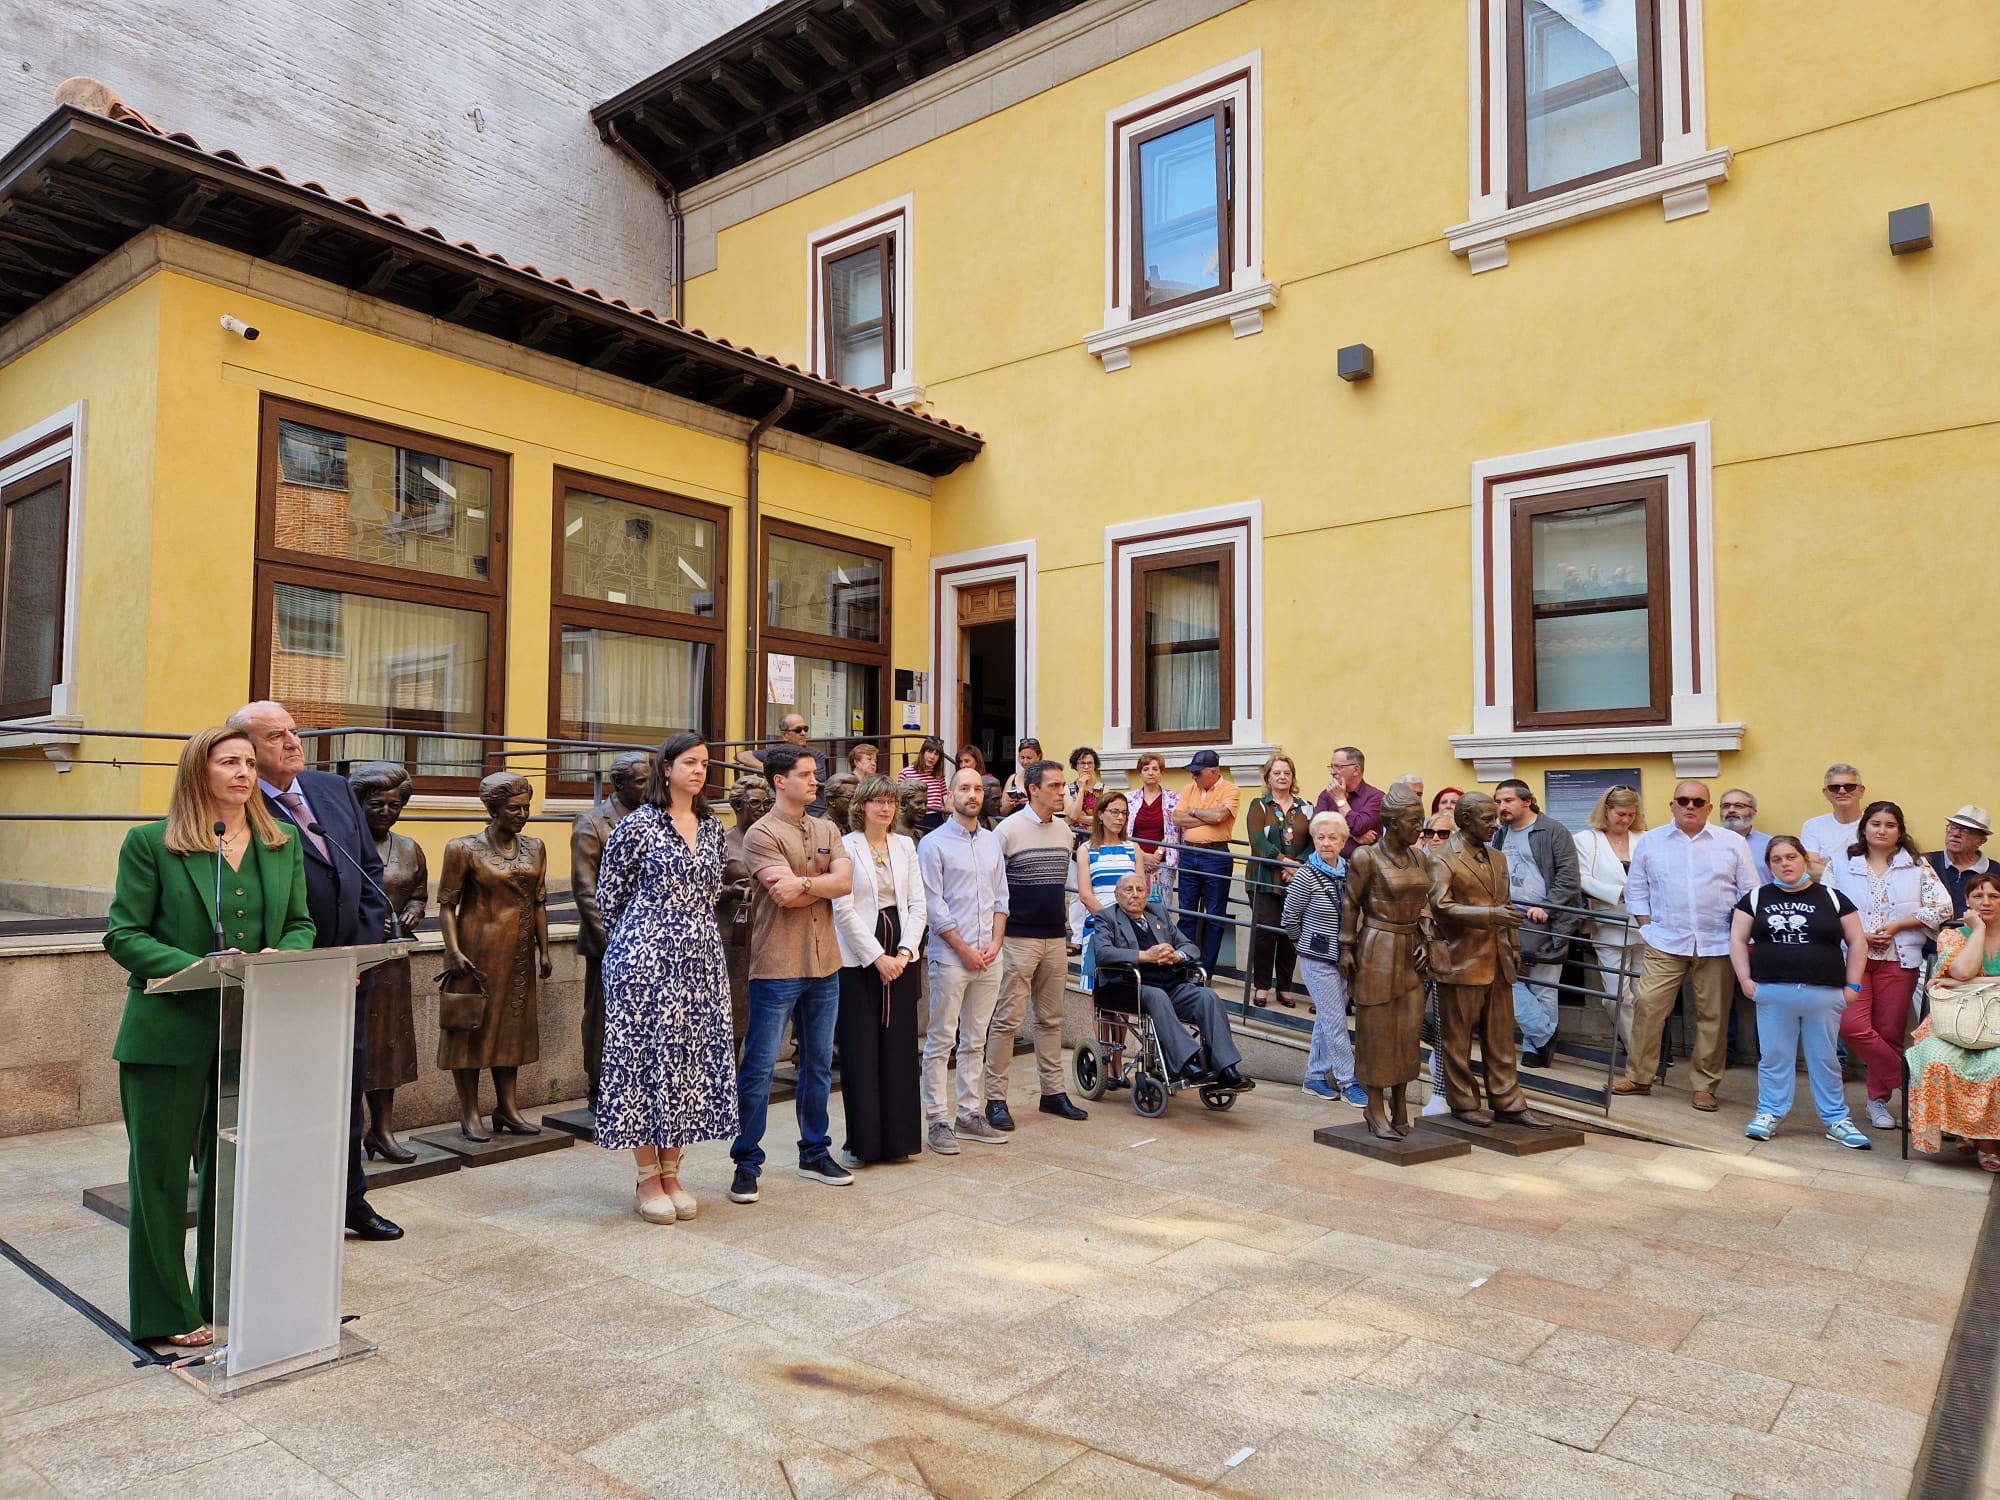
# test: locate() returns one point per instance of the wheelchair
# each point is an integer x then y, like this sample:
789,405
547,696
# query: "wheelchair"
1122,1027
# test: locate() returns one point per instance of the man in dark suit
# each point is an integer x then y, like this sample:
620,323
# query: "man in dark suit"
346,909
1134,932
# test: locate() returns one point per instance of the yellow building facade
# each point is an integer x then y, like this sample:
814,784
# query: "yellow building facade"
1665,460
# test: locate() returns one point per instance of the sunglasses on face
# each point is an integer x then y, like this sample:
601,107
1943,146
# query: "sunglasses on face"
1690,802
1434,833
1844,788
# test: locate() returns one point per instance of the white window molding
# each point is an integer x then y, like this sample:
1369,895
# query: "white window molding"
896,221
1693,735
1237,527
1239,83
53,440
952,572
1688,167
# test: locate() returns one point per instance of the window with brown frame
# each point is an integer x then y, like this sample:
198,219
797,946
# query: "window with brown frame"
636,620
1182,208
860,301
825,632
34,559
1583,93
381,588
1591,622
1183,647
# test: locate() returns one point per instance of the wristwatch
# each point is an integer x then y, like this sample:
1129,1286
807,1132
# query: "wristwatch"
807,887
904,953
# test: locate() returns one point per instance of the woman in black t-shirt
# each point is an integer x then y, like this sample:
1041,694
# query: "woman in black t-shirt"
1799,950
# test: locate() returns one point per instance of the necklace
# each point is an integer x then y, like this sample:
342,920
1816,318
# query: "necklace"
514,860
880,856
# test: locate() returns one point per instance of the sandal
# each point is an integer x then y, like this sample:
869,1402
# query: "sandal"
659,1210
1989,1157
201,1338
683,1200
1261,998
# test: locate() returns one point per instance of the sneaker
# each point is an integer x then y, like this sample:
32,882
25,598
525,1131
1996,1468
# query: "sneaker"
974,1128
1762,1126
941,1139
744,1188
1355,1095
1879,1117
1843,1133
1318,1088
825,1170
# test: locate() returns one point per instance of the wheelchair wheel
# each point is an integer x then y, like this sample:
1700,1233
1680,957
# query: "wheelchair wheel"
1149,1095
1088,1064
1218,1098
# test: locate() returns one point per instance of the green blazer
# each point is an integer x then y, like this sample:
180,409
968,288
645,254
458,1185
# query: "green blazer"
163,919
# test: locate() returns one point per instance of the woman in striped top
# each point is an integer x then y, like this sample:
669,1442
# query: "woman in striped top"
1103,860
930,769
1312,919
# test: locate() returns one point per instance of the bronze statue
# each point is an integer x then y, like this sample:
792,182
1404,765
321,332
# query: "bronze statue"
586,847
990,810
914,799
749,800
1475,957
492,908
839,795
383,788
1384,928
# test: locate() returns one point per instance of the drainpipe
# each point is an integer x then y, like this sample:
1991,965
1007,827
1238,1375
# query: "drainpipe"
753,689
673,199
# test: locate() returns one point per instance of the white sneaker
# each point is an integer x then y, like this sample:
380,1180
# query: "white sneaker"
1879,1117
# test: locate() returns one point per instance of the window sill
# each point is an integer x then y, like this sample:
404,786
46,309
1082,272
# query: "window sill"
1236,759
903,395
43,732
1681,187
1243,309
1696,748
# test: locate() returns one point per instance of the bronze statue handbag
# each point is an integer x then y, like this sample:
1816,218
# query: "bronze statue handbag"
1967,1015
461,1001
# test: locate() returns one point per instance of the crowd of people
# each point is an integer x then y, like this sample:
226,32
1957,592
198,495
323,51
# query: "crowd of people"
847,898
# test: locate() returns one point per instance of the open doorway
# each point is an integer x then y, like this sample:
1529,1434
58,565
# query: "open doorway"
988,700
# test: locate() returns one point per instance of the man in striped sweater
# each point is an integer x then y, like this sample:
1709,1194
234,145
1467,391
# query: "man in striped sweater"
1038,849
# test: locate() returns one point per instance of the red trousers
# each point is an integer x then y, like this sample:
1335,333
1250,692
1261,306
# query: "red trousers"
1876,1019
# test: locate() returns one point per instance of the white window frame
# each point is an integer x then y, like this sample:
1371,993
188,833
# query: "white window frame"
1239,527
1693,735
1680,183
897,220
1239,83
953,571
44,730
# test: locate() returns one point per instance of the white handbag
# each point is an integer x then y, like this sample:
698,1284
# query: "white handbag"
1967,1015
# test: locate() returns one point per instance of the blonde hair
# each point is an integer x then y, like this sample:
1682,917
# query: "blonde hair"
1617,796
1330,819
1276,756
192,811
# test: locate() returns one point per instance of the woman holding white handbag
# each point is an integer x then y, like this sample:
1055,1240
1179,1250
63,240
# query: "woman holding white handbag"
1955,1084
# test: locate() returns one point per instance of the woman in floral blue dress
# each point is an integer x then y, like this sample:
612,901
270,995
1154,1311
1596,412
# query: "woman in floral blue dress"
669,1076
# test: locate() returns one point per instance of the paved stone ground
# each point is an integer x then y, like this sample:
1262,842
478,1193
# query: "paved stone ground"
1119,1308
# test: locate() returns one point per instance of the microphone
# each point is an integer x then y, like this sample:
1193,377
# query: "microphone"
396,933
221,943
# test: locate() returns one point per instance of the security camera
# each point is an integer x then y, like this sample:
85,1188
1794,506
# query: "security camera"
240,328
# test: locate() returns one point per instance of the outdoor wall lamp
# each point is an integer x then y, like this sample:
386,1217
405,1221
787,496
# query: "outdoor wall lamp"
1909,229
1357,362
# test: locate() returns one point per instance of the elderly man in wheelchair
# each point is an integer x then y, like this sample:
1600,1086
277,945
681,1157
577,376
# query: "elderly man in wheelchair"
1148,979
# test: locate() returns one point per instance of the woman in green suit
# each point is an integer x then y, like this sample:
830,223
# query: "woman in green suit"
163,918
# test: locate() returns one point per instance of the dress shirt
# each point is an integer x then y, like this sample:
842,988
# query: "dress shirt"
295,789
965,887
1760,854
1687,887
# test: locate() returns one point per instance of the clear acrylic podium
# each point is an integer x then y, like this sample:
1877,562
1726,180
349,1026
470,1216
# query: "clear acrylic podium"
286,1076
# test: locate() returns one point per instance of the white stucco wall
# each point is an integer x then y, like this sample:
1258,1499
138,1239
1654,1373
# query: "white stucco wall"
467,114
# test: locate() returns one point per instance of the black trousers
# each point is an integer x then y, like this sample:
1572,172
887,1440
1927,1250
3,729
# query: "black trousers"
880,1066
357,1117
1270,952
593,1022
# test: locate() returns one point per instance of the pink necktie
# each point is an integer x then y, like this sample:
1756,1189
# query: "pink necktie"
294,804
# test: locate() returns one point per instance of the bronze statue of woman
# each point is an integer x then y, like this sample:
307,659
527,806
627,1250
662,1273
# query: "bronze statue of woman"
1384,933
383,788
493,911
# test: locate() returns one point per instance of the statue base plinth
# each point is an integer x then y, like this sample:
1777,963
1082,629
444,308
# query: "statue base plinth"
430,1162
1422,1144
114,1201
1510,1140
500,1148
581,1123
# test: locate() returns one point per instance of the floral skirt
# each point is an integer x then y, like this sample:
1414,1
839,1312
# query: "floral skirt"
1952,1092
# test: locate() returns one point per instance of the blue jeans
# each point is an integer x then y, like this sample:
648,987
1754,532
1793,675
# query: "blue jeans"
772,1003
1535,1004
1788,1014
1204,900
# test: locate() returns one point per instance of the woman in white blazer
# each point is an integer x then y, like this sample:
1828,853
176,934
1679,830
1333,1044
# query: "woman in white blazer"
880,927
1603,856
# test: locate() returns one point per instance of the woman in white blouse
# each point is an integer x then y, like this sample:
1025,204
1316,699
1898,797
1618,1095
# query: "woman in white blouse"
1603,858
880,927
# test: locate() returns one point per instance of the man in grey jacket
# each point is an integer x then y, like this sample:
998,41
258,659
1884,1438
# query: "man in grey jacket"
1133,932
1547,877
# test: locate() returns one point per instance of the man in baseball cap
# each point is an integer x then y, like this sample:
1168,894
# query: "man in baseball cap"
1964,832
1206,817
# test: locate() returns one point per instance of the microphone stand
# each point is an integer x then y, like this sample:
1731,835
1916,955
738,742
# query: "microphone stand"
221,943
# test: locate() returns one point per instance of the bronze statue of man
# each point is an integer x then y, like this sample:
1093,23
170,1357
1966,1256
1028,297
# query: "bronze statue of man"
1474,959
1384,927
629,774
839,795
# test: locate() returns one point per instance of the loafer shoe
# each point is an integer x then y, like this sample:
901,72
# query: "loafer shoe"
1705,1102
1627,1086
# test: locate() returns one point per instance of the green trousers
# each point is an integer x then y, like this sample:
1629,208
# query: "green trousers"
170,1123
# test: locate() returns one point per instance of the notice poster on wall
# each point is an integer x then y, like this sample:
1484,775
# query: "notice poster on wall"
1568,796
913,718
829,702
782,679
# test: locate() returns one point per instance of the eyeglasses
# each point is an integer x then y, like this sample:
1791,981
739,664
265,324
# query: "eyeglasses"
1736,807
1434,833
795,729
1690,802
1844,788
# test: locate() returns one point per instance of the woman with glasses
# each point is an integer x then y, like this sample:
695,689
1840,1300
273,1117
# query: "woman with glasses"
1902,902
1953,1090
1604,859
1279,829
929,769
1081,796
1311,920
1106,857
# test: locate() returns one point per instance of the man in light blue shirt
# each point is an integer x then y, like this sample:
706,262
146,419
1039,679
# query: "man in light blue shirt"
965,897
1685,881
1739,815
